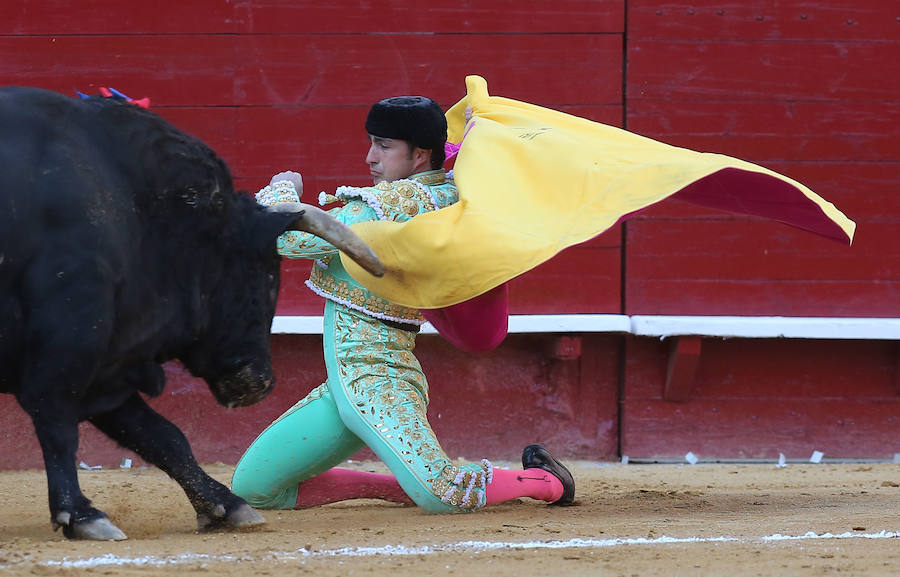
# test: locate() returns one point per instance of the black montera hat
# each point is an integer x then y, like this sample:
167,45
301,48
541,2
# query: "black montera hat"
417,119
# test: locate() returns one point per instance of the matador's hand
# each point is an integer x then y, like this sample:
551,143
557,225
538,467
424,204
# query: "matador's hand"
292,177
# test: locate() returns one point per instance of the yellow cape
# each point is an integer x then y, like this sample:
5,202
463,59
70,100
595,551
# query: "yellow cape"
534,181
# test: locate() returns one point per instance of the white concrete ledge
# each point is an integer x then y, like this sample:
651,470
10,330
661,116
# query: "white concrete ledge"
663,326
285,325
767,327
568,324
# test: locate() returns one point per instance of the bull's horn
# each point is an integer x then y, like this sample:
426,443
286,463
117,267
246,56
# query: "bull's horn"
316,221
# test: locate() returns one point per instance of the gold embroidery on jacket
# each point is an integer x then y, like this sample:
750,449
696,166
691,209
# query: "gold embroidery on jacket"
345,291
405,195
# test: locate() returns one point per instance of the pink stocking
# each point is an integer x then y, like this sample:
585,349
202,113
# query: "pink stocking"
535,483
341,484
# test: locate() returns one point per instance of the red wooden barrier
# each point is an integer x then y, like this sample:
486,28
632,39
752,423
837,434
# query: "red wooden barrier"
807,89
728,267
318,70
754,399
762,20
791,87
481,405
112,17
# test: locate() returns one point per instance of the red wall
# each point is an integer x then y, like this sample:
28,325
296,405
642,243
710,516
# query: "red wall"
809,89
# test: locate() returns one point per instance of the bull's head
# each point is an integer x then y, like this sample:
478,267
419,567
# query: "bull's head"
233,355
226,267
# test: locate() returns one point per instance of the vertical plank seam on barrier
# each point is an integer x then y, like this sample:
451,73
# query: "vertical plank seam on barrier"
684,358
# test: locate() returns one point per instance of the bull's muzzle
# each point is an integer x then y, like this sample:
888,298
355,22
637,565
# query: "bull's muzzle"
243,387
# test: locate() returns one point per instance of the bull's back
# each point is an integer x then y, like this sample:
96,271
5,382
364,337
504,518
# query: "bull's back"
38,150
47,141
54,199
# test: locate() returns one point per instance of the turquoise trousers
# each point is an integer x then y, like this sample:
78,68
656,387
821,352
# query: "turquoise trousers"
376,395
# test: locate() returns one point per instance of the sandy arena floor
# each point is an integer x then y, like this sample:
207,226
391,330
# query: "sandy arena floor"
630,520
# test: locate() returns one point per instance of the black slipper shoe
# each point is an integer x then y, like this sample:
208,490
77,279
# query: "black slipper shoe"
537,457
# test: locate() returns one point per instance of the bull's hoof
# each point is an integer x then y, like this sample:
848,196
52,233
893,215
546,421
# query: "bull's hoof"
240,517
98,529
245,516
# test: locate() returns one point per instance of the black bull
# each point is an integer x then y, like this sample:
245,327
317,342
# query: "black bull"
123,245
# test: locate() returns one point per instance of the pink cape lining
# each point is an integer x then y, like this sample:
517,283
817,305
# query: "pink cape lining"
758,194
476,325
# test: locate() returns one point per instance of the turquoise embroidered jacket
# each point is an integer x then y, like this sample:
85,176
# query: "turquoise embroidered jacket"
399,201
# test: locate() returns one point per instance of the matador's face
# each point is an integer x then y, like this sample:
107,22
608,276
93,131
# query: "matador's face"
392,159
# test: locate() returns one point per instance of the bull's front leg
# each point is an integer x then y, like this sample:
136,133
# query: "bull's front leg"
138,427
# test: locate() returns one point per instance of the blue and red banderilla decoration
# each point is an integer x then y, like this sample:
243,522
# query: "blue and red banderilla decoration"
113,93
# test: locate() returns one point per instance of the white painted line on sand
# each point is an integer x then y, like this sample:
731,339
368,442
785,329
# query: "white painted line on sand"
401,550
847,535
